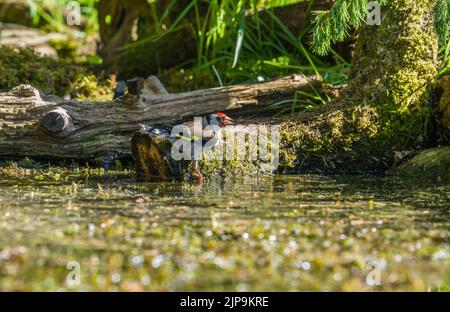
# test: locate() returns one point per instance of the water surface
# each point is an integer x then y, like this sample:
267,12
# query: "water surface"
290,233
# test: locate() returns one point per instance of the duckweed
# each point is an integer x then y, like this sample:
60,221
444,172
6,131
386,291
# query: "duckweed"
303,232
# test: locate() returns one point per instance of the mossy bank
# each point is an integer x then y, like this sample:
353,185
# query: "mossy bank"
52,76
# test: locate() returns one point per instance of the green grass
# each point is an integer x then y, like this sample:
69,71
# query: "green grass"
234,45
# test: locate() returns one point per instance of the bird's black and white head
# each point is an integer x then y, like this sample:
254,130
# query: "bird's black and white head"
219,119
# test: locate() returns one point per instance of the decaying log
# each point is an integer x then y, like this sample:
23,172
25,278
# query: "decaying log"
155,152
35,125
432,163
151,153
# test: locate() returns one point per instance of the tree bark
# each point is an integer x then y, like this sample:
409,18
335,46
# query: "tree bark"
32,125
116,20
443,112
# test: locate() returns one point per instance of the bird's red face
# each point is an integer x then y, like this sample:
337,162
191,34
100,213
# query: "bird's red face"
223,120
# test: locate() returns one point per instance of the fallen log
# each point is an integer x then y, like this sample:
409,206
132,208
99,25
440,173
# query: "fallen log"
238,150
430,163
40,126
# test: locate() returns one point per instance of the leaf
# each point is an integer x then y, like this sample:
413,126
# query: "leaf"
238,47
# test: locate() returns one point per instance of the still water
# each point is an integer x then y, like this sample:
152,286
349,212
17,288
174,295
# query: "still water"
89,229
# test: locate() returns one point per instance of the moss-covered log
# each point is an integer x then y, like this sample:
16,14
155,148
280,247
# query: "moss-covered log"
431,163
36,125
243,150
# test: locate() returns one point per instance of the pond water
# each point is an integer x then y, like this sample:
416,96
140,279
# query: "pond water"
90,229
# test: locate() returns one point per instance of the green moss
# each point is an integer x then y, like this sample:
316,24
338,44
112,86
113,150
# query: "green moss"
88,87
444,111
233,158
386,106
59,77
433,163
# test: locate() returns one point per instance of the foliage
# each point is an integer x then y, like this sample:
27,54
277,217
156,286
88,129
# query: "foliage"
332,26
223,37
52,12
442,19
232,43
60,77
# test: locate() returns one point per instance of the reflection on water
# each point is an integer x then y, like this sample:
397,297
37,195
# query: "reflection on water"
280,233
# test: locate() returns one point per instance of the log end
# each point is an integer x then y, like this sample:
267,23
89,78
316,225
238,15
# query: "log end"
56,121
24,91
150,154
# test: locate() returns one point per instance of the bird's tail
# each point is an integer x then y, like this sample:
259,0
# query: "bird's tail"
120,89
157,129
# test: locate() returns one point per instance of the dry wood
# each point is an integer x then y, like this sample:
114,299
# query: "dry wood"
34,125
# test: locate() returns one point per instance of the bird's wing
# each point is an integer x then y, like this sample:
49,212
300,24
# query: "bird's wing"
195,130
208,134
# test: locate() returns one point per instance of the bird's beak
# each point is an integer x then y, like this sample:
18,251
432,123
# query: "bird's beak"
228,121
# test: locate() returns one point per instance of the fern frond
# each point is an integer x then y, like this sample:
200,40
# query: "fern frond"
358,10
339,20
321,34
442,19
333,25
